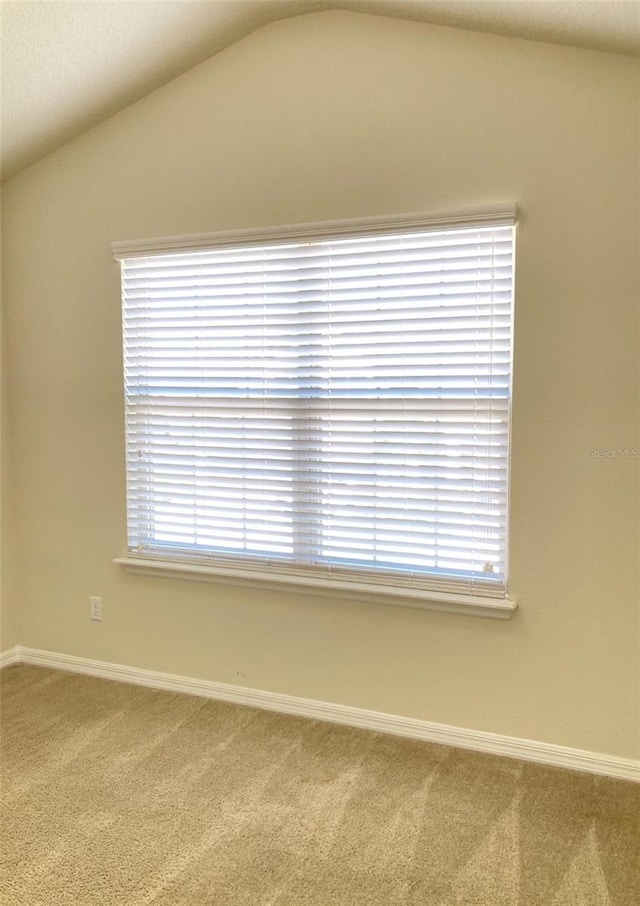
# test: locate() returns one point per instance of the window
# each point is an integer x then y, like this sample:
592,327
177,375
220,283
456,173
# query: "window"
326,404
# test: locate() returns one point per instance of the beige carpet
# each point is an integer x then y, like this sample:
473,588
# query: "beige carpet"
115,794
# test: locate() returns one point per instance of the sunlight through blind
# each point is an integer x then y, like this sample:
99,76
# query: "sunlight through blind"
337,406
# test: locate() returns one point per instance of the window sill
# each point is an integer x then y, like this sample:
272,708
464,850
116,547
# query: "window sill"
475,606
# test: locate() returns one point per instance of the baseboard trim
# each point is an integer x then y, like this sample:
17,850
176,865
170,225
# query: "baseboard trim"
490,743
9,656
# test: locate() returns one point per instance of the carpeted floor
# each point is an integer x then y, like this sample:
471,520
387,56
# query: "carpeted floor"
115,794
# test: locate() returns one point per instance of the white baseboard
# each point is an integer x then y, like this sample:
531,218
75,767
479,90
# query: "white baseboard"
491,743
9,656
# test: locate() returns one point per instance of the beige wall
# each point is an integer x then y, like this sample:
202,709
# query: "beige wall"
8,627
322,117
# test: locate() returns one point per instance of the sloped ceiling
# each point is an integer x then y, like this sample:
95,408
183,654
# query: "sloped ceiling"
68,64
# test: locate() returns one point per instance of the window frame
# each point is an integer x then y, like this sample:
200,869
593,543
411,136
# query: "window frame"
375,590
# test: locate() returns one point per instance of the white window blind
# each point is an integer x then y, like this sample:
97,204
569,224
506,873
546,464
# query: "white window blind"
330,404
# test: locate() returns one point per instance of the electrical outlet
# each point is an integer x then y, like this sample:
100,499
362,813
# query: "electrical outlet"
95,608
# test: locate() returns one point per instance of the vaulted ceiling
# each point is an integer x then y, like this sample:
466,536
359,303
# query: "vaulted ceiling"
68,65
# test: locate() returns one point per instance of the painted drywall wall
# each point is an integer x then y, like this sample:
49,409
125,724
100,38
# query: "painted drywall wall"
8,627
322,117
